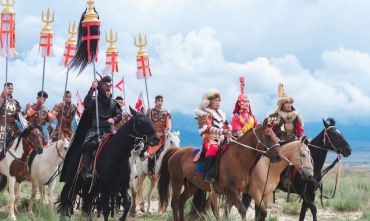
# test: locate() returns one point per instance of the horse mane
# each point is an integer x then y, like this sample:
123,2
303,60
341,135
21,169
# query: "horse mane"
25,132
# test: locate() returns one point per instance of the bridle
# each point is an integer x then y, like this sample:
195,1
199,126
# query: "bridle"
233,139
301,167
327,139
138,137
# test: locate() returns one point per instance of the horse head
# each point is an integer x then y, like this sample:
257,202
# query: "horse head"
267,139
172,139
33,138
143,128
301,158
334,139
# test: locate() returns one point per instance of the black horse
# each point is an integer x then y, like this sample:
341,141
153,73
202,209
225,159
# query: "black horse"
109,191
329,139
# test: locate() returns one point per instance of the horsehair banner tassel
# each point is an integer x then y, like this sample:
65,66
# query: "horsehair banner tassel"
87,39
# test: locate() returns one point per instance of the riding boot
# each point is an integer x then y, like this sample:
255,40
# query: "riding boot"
209,165
85,165
151,162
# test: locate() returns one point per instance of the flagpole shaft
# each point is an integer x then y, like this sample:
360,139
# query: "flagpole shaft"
43,76
65,86
96,103
147,95
6,99
113,85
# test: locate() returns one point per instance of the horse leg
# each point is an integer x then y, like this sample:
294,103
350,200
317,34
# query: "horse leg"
235,199
51,187
17,192
140,189
11,184
303,210
260,213
176,189
33,195
126,205
152,185
133,207
312,206
214,205
188,192
42,194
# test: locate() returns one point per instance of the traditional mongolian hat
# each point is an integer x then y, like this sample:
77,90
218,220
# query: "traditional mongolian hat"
209,95
283,97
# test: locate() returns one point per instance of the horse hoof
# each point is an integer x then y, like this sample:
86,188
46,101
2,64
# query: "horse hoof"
142,210
12,217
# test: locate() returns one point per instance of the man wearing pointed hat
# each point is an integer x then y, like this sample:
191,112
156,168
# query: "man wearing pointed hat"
86,139
288,125
213,128
243,118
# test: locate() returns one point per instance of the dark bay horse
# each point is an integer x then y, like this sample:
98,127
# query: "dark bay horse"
234,165
329,139
109,191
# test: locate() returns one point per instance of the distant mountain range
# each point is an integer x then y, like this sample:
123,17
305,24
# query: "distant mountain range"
358,136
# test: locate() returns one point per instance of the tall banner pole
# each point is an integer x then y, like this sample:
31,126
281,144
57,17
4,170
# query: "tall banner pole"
143,67
45,46
88,46
111,63
7,47
69,51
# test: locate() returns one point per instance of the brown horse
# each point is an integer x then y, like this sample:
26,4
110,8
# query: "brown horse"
266,176
15,161
234,166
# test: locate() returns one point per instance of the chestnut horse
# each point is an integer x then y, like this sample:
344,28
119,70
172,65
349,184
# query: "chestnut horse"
14,166
234,165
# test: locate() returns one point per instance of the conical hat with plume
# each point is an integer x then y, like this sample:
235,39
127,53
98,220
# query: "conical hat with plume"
283,97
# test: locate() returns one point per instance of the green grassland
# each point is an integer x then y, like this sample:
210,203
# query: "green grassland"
352,202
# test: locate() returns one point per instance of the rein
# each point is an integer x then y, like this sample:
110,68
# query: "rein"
233,140
57,172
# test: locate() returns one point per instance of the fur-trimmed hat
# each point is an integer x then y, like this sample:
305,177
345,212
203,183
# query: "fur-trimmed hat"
208,96
283,97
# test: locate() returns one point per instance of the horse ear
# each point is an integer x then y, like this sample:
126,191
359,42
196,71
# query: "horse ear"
325,123
132,111
265,123
142,110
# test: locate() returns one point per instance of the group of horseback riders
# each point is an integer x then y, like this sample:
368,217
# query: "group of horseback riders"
213,126
215,129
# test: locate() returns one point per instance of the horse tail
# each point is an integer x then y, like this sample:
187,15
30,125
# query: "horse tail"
66,200
164,179
199,202
3,182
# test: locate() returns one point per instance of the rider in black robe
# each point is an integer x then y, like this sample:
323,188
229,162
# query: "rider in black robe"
85,142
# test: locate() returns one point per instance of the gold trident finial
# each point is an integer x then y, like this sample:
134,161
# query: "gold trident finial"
47,18
72,30
112,41
141,45
8,7
90,15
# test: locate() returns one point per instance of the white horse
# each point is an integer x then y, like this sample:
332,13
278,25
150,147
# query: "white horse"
172,140
45,169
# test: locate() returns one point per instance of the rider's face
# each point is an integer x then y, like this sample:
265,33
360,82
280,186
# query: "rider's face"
215,103
287,106
120,102
107,87
40,100
159,103
9,90
68,98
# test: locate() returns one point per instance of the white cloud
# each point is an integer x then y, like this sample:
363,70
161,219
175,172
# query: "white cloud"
184,66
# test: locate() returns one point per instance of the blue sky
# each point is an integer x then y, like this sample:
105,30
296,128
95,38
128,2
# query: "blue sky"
318,49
